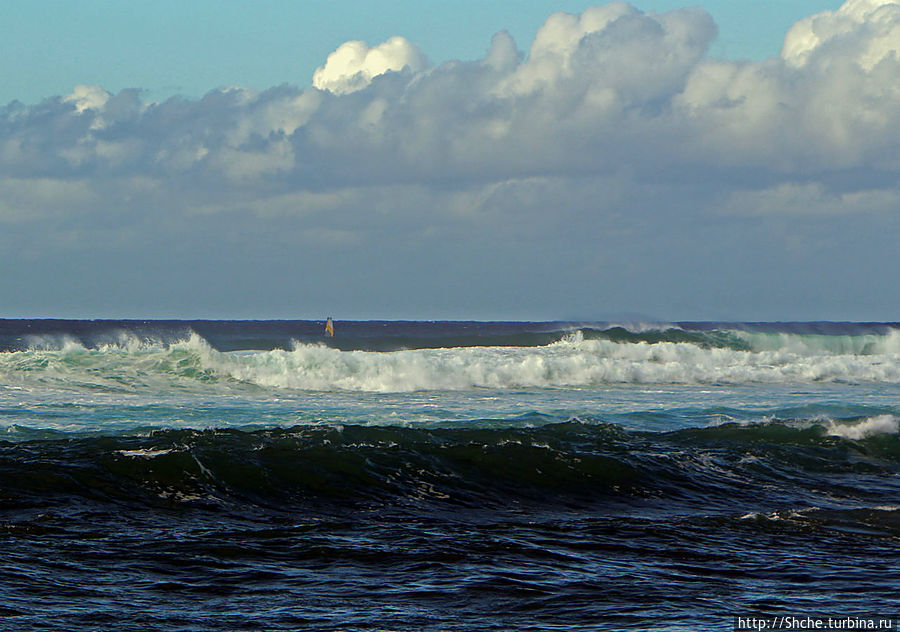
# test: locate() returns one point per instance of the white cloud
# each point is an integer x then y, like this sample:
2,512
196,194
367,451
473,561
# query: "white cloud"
610,90
616,151
831,101
87,98
864,31
502,55
613,96
354,64
614,47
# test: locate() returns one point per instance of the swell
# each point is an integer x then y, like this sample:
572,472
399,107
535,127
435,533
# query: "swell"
834,464
386,336
379,336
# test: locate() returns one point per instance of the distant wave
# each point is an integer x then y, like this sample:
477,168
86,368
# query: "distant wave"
858,338
579,359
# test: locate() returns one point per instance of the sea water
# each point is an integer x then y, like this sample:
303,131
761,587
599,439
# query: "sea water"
237,475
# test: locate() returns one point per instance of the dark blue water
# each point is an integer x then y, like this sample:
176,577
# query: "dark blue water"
445,476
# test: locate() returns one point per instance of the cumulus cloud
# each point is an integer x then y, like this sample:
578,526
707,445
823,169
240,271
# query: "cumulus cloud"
861,31
615,126
354,64
611,89
829,102
502,55
87,98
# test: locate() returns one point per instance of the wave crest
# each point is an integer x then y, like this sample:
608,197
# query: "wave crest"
869,427
305,465
576,361
572,362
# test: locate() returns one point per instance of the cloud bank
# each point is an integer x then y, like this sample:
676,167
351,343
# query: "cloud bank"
615,148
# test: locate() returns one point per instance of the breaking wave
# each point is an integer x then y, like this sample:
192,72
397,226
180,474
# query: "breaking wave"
868,427
578,359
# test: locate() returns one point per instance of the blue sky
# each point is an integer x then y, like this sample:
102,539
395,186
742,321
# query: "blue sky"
426,160
171,47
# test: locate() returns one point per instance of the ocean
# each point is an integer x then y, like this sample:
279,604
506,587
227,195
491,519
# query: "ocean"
446,476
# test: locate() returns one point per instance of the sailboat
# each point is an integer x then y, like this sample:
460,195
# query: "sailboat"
329,327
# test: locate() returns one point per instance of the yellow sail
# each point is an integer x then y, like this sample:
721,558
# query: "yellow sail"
329,327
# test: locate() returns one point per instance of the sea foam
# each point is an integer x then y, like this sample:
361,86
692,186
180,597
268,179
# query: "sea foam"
572,362
132,363
878,425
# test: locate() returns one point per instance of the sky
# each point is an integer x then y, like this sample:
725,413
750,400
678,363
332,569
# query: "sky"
168,47
729,160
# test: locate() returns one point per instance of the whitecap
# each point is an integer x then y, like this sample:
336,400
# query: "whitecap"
878,425
144,453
